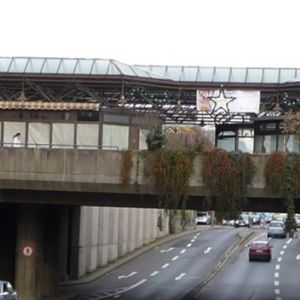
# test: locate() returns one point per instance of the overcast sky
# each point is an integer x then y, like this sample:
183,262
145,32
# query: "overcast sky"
254,33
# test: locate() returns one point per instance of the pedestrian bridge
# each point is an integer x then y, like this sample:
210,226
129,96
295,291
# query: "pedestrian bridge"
93,177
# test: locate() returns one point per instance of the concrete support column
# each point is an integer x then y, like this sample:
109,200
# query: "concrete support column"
103,232
37,263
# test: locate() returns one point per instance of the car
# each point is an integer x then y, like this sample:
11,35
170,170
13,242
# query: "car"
7,292
203,218
260,250
297,219
242,221
277,229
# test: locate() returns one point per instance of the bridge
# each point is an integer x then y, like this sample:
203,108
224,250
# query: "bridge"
38,186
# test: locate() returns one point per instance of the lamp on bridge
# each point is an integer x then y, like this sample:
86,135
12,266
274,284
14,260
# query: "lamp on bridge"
122,99
22,96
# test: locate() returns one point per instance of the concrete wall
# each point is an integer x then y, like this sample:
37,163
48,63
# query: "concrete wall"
108,233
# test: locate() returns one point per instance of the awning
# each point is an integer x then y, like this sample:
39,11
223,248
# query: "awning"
39,105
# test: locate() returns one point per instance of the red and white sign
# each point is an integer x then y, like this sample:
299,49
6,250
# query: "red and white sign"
27,251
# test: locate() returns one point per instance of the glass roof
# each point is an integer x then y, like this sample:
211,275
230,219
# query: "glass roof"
224,75
83,66
78,66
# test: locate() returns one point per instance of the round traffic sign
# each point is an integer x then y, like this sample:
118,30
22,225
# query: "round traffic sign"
27,251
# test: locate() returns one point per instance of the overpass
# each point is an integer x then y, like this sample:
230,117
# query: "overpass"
93,177
38,186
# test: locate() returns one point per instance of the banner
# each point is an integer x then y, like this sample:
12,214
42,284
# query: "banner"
233,101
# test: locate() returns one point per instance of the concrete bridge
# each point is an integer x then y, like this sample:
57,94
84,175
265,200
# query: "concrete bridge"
93,177
39,186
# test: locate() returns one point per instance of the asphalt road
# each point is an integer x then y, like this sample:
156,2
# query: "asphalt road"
241,279
168,271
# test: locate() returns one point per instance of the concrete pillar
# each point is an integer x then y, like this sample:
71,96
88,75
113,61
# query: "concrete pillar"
103,233
133,237
113,233
37,263
123,232
140,226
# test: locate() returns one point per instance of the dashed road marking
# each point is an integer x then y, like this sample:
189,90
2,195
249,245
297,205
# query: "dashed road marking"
284,247
189,245
165,266
175,257
279,259
281,252
154,273
298,256
207,250
276,283
127,276
277,267
289,241
276,274
277,291
180,276
170,249
182,251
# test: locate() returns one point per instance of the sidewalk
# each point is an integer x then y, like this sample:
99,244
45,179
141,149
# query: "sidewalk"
101,271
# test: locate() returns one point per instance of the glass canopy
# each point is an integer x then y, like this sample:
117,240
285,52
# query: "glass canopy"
82,66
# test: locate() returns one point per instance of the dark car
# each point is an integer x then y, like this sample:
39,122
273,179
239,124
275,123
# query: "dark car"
6,291
260,250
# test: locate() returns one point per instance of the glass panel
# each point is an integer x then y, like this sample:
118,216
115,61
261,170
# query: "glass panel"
34,65
174,73
288,143
100,67
62,135
265,143
287,75
10,129
205,74
254,75
238,75
227,133
271,75
51,65
39,135
222,74
84,66
142,139
161,70
246,132
67,66
125,69
116,119
115,137
190,73
87,136
4,64
246,144
227,144
142,73
18,65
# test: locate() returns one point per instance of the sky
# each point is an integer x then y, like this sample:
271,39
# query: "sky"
233,33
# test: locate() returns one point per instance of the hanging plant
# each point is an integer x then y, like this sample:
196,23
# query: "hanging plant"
126,167
227,175
274,171
155,138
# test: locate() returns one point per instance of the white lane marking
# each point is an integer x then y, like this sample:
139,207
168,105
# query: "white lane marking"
195,237
127,276
180,276
189,245
277,291
165,266
279,259
277,267
289,241
163,251
182,251
284,247
276,275
282,252
207,250
298,256
276,283
175,257
192,241
154,273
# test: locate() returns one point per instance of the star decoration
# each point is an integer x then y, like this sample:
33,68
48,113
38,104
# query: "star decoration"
221,102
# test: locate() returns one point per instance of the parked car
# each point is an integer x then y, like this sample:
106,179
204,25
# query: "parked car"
297,219
203,217
260,250
7,292
277,229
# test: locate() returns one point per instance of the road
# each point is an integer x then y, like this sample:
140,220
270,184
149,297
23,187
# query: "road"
167,272
241,279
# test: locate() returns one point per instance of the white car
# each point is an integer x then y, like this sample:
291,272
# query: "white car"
6,291
203,218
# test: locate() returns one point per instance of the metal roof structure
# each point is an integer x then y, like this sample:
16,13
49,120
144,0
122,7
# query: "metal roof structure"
169,91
